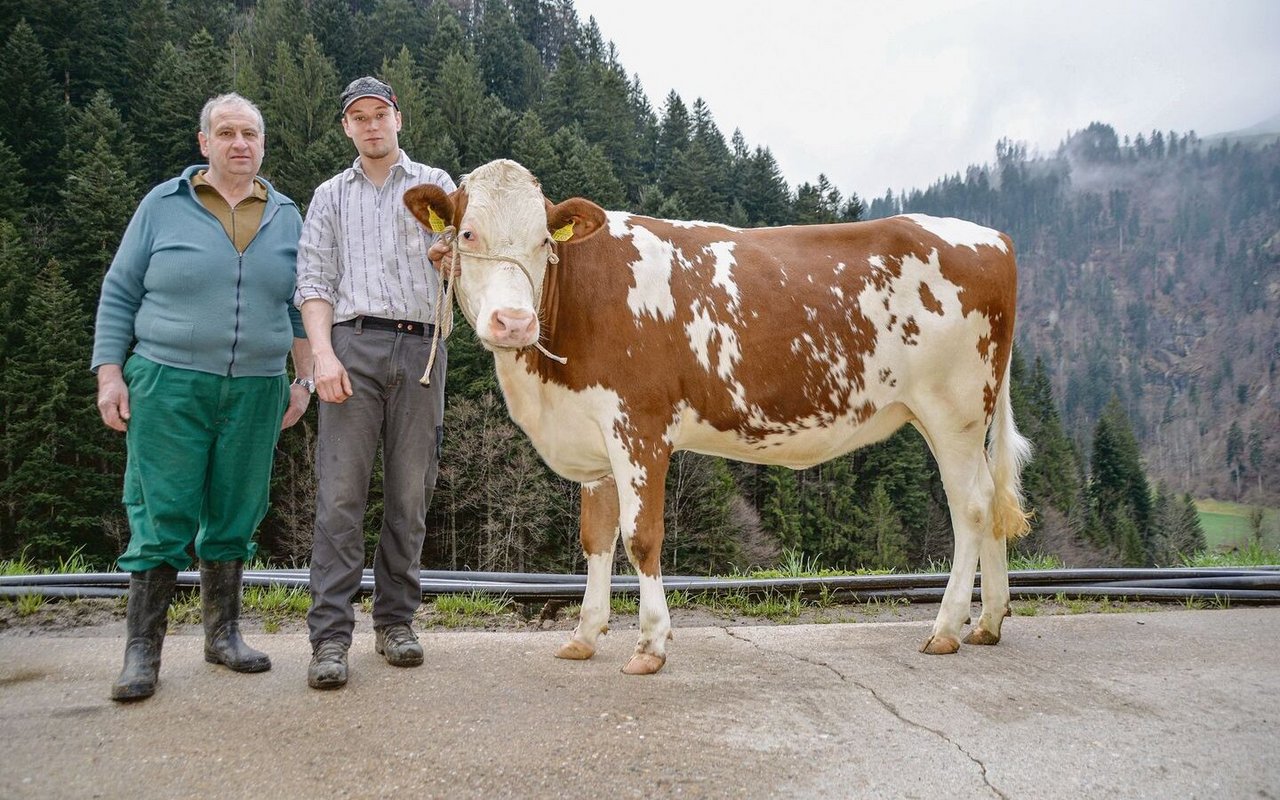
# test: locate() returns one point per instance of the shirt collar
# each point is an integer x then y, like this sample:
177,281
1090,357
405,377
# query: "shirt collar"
402,163
259,188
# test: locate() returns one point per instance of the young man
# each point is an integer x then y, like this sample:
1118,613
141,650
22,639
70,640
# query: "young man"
367,294
202,287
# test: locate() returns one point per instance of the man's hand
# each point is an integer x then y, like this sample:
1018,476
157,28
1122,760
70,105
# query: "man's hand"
299,399
332,382
113,397
439,254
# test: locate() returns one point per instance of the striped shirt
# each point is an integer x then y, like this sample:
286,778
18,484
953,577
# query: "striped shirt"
363,252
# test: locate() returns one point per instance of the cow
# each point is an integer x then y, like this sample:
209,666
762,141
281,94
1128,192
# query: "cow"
620,339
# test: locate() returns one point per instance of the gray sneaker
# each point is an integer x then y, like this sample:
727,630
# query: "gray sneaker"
328,668
398,645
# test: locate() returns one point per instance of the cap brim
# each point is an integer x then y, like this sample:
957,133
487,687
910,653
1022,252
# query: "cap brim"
347,104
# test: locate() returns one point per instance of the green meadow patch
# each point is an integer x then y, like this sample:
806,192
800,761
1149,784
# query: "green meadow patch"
1229,526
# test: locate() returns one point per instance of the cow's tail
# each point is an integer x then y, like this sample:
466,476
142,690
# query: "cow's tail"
1007,452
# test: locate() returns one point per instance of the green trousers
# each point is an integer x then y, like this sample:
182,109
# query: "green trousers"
200,451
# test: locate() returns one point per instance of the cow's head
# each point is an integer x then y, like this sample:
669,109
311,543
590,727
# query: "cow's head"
505,231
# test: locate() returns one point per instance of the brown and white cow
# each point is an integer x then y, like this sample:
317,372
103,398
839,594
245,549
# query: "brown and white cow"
787,345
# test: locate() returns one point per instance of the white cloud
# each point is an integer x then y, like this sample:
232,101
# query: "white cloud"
879,95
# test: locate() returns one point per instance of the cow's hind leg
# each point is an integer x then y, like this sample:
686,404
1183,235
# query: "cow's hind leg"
598,527
967,480
995,591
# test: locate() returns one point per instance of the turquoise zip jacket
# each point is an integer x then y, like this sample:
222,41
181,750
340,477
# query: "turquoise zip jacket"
183,296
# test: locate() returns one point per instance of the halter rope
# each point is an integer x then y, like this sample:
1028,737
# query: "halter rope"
444,297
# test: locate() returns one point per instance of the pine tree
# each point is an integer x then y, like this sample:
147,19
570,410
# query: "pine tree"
562,92
764,193
189,17
85,42
675,131
273,22
885,529
509,65
1117,479
100,119
1133,553
97,201
903,466
419,119
532,147
34,118
63,487
833,527
388,26
699,532
304,143
610,122
150,26
15,282
780,507
582,171
181,83
1052,475
13,188
1177,527
458,95
332,23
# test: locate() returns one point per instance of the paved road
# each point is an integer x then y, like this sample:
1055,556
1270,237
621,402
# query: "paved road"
1179,704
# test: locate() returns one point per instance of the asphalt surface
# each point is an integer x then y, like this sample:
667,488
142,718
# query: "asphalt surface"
1176,704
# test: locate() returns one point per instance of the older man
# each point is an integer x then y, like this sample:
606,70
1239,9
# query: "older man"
202,288
367,295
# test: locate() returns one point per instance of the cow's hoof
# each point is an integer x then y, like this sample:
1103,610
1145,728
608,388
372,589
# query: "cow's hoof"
644,664
575,650
940,645
981,636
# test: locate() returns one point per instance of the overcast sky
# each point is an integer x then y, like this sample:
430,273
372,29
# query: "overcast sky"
886,94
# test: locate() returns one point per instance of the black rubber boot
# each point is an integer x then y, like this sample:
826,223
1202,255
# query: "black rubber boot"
220,607
146,620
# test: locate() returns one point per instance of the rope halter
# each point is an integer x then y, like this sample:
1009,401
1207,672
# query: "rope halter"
445,296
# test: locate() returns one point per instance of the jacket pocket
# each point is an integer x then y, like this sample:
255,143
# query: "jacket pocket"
171,341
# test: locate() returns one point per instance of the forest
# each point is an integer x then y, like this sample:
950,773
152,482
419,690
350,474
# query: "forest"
1145,372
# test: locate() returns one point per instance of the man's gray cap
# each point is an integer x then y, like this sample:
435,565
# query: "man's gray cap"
367,87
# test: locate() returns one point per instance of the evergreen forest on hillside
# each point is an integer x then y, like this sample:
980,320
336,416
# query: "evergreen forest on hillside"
1148,338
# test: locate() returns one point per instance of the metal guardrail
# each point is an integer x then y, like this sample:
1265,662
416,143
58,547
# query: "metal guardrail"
1241,586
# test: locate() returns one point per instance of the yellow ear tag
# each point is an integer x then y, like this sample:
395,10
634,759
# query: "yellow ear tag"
437,223
563,234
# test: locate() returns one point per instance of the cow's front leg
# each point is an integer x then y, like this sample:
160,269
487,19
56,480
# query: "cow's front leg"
640,520
598,528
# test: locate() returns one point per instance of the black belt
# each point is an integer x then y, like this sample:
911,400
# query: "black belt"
393,325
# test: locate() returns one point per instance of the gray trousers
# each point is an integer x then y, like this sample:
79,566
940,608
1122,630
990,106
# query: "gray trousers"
388,404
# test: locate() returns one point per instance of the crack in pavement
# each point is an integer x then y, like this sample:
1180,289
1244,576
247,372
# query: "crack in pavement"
888,706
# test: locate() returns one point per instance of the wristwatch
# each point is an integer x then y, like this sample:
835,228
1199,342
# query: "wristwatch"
306,383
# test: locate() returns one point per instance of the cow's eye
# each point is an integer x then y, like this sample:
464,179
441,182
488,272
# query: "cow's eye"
468,235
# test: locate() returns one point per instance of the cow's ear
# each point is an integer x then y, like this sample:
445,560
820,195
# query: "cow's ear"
430,205
574,220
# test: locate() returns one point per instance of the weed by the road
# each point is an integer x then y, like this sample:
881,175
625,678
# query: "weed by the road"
185,608
277,604
473,608
624,604
29,604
